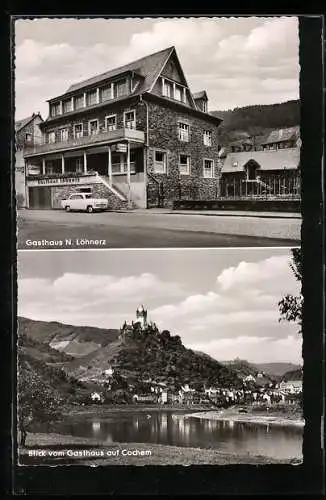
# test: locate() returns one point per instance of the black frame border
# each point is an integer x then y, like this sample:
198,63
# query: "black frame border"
306,478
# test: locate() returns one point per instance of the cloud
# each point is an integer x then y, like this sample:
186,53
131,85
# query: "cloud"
239,61
242,304
256,349
78,297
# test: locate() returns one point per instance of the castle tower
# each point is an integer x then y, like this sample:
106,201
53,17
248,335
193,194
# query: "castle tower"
141,315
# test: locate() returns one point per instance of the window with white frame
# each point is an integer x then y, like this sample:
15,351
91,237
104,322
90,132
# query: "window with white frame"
91,98
167,88
66,106
184,164
159,162
79,165
183,131
106,93
93,127
178,92
208,168
129,119
207,137
121,88
55,109
63,134
79,101
51,137
111,122
78,130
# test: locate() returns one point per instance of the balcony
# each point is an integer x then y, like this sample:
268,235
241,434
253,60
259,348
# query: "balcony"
102,138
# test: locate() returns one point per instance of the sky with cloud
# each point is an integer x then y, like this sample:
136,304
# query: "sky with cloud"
221,302
239,61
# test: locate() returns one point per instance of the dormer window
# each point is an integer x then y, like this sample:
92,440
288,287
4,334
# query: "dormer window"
121,88
55,109
79,102
178,93
204,106
66,106
106,93
91,98
167,89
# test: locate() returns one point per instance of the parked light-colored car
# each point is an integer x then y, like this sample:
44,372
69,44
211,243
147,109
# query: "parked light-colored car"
84,202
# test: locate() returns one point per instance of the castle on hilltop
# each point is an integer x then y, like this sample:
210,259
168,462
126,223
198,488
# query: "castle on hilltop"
140,325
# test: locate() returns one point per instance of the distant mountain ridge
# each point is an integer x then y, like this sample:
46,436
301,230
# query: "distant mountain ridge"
273,370
257,120
75,341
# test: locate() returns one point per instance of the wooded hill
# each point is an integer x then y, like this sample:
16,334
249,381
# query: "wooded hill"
140,355
257,120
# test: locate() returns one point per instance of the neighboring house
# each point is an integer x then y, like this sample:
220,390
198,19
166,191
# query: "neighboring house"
27,134
145,398
136,135
249,378
291,386
268,168
97,397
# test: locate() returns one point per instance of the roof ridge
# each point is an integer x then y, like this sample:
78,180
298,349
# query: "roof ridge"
122,66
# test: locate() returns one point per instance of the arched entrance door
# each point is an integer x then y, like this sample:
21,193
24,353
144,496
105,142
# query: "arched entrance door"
252,169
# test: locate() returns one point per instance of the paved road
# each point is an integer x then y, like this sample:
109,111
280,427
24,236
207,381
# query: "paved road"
152,230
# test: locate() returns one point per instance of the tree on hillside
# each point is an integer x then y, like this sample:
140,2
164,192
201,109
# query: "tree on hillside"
36,401
290,306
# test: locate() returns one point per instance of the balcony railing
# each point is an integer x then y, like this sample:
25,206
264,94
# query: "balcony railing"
104,137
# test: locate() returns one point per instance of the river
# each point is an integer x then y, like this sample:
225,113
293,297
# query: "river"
177,429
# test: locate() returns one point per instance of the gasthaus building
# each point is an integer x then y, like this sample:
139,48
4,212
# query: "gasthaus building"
135,135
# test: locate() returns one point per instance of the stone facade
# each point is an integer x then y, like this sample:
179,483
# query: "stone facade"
163,135
26,136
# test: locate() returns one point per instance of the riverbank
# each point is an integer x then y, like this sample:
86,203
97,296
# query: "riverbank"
103,410
59,449
233,415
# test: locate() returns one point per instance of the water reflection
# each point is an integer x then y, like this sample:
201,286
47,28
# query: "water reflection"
179,430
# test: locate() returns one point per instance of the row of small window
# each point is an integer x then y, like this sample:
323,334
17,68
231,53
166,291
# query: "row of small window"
160,164
184,134
173,90
129,121
111,91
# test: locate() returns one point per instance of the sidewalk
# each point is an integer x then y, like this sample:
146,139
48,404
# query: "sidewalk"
216,213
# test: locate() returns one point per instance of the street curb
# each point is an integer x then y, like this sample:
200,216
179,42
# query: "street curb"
264,216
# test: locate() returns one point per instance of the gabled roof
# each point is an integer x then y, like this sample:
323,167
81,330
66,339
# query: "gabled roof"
283,134
19,124
200,95
148,67
279,159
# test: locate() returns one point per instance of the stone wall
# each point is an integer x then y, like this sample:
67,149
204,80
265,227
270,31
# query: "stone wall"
98,190
163,189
